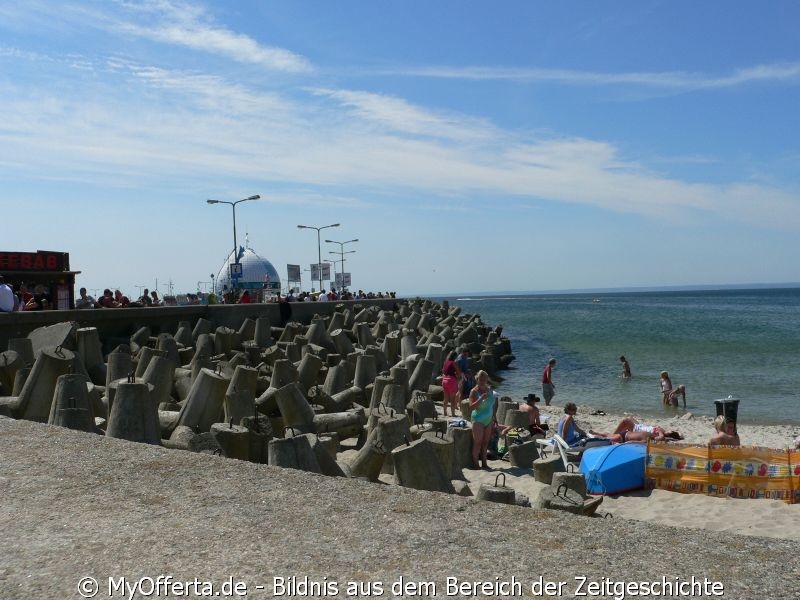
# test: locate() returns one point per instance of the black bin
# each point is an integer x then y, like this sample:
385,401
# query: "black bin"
728,407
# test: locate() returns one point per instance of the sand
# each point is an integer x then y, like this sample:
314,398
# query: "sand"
763,518
77,506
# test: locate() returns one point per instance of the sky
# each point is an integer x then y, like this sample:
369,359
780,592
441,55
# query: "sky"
468,146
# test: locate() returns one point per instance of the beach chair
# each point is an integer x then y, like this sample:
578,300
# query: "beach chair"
569,454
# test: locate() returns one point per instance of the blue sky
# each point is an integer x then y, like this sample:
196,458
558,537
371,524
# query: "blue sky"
469,146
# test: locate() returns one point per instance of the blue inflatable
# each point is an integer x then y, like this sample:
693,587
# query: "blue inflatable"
614,469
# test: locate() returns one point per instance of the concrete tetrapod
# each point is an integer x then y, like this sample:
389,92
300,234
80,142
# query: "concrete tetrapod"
111,391
393,398
294,453
168,345
308,371
71,406
159,374
391,347
337,322
337,379
364,335
202,326
381,363
318,335
399,375
498,492
524,454
342,342
24,348
10,363
365,371
421,377
36,397
140,338
120,365
369,460
133,415
296,411
393,431
19,380
233,439
346,424
416,466
203,405
143,358
183,335
262,335
247,330
408,346
244,378
445,453
462,448
91,351
283,373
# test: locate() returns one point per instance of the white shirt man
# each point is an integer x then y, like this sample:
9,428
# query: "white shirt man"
8,299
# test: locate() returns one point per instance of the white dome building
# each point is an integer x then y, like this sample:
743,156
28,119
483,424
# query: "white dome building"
257,273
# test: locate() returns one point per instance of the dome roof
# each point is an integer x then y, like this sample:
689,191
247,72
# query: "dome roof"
256,271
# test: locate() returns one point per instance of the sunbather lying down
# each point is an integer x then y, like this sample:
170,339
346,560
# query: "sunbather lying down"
630,430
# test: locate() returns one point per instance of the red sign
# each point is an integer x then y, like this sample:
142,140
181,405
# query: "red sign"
33,261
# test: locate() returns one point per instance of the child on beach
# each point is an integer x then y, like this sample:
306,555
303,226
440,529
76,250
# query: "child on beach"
671,395
726,433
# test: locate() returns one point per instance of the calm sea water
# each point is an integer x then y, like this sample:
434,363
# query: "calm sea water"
743,343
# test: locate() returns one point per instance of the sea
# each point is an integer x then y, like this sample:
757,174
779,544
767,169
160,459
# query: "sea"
737,343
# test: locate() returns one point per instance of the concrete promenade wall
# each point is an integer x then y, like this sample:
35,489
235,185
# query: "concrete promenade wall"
118,323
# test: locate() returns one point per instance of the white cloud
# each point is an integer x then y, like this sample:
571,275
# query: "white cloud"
788,73
190,26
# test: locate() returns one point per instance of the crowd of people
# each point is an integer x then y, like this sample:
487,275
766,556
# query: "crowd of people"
19,297
458,383
117,299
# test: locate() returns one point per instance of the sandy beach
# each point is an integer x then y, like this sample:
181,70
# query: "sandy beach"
763,518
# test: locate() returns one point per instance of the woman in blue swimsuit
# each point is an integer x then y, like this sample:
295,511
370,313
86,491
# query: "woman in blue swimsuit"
483,408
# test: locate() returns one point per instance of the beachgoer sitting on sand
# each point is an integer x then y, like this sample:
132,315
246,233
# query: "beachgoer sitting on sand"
534,424
670,394
726,433
568,429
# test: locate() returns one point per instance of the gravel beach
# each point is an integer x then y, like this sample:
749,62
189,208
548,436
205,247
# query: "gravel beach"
77,505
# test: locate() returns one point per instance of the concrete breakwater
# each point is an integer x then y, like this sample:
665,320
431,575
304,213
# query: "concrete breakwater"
257,391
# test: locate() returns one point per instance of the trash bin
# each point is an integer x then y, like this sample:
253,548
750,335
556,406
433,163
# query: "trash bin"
728,407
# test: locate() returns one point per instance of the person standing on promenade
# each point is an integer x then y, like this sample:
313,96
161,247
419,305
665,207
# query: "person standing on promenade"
85,300
8,299
548,387
626,368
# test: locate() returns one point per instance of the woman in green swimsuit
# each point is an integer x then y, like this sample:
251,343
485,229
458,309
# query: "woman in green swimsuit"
482,413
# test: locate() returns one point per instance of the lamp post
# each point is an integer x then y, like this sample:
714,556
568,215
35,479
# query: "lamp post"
233,206
319,247
341,252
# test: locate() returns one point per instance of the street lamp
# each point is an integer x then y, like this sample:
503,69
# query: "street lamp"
341,252
319,247
233,206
